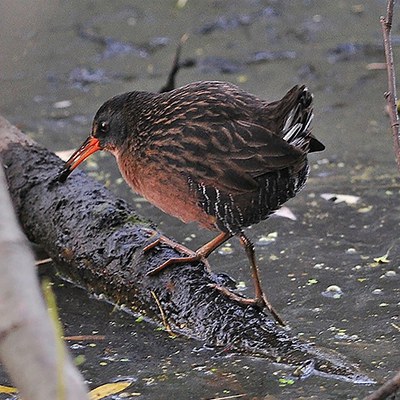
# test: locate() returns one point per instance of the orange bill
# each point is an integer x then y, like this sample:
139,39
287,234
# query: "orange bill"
90,146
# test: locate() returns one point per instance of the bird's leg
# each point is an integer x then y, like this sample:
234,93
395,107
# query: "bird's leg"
260,299
163,239
205,250
199,255
249,248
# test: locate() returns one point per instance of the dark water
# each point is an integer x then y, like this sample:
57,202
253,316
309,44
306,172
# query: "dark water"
60,60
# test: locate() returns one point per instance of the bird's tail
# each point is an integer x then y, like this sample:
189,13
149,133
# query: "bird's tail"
295,119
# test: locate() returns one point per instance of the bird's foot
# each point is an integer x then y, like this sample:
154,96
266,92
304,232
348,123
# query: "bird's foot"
259,303
190,255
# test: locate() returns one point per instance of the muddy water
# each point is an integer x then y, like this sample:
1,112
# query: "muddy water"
60,60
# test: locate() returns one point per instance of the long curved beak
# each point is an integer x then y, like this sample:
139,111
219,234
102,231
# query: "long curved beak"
90,146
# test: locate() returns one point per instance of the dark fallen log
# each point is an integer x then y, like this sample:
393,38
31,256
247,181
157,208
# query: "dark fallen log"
97,241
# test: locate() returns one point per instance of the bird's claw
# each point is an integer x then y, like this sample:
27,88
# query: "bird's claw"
258,302
190,257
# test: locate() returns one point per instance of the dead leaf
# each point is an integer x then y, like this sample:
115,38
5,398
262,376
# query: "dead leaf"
383,259
341,198
285,212
108,389
8,389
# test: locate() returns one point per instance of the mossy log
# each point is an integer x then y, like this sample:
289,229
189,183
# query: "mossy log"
97,240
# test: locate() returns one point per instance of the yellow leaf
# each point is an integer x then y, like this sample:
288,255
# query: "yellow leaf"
365,209
108,389
8,389
382,260
181,3
242,78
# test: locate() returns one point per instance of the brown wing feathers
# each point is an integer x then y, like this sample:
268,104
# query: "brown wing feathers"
241,156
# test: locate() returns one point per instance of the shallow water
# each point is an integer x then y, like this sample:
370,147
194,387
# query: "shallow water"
61,60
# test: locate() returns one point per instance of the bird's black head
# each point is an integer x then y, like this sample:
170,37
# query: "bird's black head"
113,124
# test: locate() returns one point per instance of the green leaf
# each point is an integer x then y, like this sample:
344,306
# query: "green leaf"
286,381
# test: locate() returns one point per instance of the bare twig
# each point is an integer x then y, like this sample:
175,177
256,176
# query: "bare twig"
235,396
44,261
392,385
391,96
388,388
176,66
163,316
84,338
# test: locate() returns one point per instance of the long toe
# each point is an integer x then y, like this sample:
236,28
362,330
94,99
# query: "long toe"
264,303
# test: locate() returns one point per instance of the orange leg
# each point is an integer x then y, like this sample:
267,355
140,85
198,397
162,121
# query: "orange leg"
260,299
200,255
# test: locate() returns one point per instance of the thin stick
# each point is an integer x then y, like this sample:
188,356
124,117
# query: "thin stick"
391,96
176,66
392,385
388,388
235,396
163,316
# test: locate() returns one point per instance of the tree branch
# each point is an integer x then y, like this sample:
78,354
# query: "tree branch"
28,342
393,384
391,96
388,388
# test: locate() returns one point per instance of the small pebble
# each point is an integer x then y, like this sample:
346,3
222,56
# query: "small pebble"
131,21
333,291
351,250
365,209
265,240
241,285
226,250
317,18
344,336
76,346
358,8
63,104
388,274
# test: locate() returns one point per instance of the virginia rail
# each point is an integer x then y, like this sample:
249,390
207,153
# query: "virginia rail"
208,152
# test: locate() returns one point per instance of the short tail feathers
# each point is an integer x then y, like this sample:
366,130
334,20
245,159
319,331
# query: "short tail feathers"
294,114
297,121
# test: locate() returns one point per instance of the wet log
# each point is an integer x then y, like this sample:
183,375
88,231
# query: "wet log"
97,240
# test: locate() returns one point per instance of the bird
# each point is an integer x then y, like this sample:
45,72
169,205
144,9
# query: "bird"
212,153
